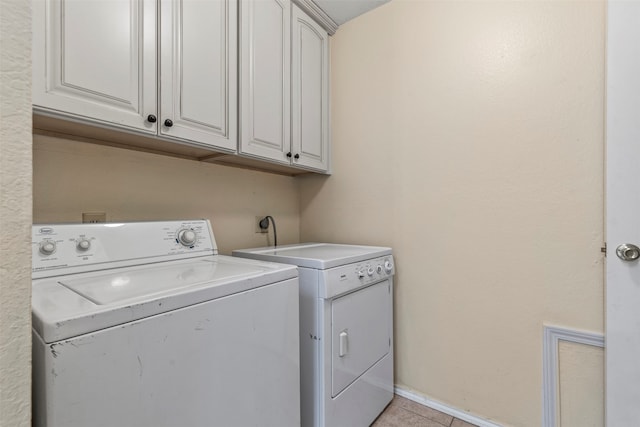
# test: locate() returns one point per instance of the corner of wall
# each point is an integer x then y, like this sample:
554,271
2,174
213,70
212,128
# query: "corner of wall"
15,213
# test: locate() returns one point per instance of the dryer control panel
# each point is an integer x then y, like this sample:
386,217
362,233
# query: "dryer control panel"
73,248
346,278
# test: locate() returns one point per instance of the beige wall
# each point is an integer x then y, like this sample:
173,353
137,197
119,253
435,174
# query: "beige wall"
468,135
15,213
73,177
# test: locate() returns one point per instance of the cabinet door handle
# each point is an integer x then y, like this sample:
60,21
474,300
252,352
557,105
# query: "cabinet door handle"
297,156
289,154
168,123
151,118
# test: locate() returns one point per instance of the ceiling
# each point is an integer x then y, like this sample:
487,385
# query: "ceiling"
343,10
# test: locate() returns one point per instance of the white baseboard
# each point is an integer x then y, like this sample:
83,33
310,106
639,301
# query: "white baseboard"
454,412
552,337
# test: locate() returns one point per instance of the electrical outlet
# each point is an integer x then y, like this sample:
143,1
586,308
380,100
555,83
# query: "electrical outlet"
256,224
94,217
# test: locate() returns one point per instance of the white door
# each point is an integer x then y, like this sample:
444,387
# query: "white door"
96,60
623,215
265,70
198,64
309,92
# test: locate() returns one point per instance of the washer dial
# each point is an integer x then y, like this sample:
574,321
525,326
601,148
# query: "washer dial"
83,244
47,247
187,237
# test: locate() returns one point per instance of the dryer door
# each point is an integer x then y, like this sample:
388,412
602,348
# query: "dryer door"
361,333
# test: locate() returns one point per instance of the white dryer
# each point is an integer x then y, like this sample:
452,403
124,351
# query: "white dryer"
145,325
346,329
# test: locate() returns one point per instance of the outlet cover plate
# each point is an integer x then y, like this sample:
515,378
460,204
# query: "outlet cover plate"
94,217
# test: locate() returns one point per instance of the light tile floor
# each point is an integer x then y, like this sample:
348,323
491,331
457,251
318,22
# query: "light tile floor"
403,412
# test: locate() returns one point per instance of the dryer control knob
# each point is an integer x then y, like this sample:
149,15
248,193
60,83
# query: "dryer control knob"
83,244
47,247
370,271
379,269
360,274
388,266
187,237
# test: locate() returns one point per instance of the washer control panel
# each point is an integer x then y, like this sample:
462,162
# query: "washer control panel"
348,277
77,246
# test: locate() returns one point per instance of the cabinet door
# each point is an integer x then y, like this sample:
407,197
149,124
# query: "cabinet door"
265,78
198,60
309,92
96,60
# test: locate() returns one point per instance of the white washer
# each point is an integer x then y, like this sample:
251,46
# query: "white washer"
346,329
145,325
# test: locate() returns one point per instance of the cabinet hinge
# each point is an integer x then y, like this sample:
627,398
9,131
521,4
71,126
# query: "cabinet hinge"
604,249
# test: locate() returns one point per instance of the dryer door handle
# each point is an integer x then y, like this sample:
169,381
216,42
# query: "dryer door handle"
343,343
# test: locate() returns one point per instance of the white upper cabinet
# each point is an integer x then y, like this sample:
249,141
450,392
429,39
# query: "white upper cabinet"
198,68
309,92
96,61
265,70
236,76
284,92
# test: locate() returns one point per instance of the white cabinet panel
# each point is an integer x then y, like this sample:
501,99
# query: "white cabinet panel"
91,64
309,92
265,60
199,72
96,60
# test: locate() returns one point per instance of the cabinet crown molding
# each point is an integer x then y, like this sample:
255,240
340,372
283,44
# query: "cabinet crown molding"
319,15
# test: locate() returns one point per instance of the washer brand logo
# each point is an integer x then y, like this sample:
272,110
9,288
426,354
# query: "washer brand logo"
46,230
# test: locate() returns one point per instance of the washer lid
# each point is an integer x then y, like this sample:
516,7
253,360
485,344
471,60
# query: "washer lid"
73,305
315,255
126,284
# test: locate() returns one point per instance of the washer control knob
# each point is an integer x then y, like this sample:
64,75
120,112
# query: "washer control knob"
47,247
83,244
388,266
187,237
370,271
360,274
379,269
